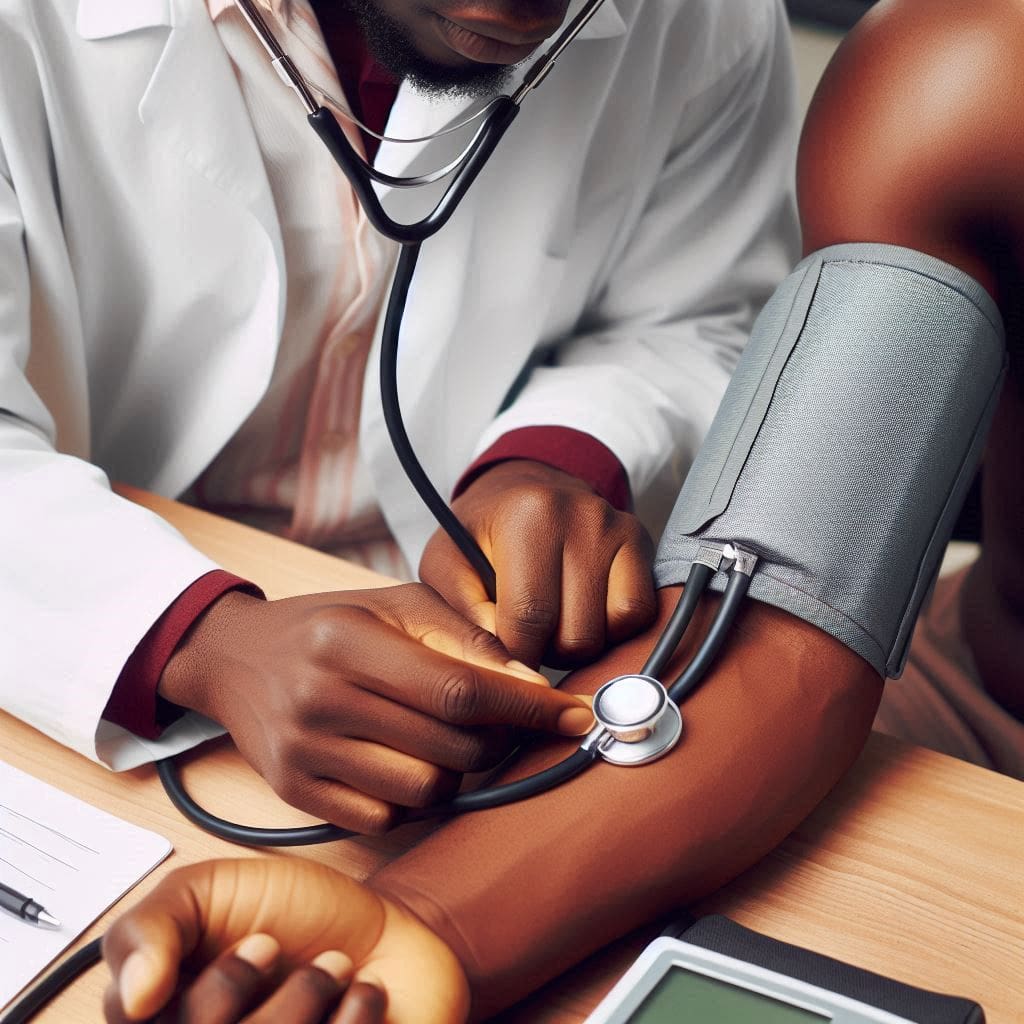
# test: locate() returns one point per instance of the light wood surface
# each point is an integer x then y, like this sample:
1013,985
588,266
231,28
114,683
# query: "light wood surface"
912,867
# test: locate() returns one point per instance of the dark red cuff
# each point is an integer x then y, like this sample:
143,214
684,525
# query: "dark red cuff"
571,451
134,704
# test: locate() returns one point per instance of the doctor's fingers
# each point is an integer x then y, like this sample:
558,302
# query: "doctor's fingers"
445,568
607,591
368,716
631,604
379,772
423,614
529,573
409,673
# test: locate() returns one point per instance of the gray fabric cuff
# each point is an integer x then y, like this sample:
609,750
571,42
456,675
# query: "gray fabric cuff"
846,442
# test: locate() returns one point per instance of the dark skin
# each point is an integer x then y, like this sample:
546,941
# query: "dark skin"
263,941
456,35
914,139
357,707
442,30
445,930
356,704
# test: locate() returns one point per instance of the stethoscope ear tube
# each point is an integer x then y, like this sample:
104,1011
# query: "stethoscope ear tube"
325,124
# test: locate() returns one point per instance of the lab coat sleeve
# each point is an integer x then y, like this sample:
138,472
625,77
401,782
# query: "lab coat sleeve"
714,235
84,573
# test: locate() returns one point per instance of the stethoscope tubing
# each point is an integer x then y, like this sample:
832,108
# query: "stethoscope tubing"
39,995
491,796
410,236
411,466
361,177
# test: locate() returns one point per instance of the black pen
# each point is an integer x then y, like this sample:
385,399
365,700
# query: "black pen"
25,908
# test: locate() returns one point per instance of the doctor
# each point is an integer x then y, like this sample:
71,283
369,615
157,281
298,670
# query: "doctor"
189,297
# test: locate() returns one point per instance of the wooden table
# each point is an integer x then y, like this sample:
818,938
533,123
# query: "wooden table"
911,867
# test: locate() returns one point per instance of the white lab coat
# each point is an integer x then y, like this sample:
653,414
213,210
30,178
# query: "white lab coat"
630,224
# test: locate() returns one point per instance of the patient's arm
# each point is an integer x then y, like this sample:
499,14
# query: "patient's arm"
512,890
913,138
517,893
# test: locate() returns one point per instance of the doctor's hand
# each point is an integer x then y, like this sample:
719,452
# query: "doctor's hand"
356,704
270,940
574,575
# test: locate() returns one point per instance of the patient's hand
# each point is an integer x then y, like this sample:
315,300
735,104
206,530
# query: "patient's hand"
277,939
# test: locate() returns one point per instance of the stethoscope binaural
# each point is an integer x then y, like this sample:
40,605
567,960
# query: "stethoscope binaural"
637,718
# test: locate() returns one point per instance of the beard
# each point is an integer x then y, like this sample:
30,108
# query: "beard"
392,48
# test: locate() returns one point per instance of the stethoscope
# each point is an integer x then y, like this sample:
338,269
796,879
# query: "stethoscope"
637,717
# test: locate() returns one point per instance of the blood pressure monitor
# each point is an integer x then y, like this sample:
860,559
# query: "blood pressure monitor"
717,972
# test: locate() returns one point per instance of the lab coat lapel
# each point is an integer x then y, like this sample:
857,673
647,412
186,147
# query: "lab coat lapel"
201,118
193,111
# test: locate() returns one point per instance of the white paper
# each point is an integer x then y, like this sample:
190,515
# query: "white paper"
70,857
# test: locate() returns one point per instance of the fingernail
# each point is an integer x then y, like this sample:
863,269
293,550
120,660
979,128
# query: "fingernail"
259,950
135,983
576,721
519,669
334,963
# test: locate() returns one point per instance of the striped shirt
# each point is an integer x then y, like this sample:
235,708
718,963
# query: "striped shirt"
294,466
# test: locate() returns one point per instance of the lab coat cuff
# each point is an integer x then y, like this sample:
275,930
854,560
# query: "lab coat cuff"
134,703
571,451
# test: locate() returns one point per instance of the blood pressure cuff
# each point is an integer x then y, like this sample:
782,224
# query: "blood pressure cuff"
846,442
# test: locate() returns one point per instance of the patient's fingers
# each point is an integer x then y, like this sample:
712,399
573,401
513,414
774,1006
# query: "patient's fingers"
364,1004
308,993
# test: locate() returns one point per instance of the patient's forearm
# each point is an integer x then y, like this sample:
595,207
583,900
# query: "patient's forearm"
776,723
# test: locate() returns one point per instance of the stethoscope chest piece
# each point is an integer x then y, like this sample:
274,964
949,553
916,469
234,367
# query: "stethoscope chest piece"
639,721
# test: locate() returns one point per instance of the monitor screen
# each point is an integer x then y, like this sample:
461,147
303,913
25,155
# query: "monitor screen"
684,995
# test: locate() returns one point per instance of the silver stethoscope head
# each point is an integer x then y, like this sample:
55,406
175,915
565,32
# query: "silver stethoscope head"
636,721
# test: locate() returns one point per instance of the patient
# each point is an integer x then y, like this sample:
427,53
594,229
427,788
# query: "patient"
913,138
908,143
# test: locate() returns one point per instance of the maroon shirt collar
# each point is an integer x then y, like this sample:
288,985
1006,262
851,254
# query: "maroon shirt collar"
370,88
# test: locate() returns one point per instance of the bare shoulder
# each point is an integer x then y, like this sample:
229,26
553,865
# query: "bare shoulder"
916,134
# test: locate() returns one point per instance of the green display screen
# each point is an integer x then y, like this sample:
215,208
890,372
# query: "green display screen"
684,996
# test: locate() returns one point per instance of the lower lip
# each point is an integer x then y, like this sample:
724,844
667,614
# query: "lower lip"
481,49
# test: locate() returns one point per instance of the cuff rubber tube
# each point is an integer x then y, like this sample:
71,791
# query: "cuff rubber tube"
846,442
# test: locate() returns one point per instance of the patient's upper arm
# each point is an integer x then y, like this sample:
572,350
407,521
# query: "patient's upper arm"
914,137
